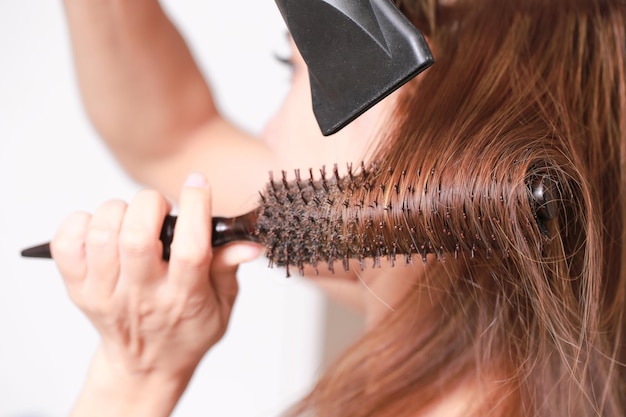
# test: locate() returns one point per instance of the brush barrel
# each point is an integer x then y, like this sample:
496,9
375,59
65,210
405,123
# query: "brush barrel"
373,216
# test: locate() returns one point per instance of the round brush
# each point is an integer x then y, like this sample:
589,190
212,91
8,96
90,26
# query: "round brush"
326,219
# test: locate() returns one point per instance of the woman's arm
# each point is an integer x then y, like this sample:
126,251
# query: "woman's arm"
140,84
110,391
148,100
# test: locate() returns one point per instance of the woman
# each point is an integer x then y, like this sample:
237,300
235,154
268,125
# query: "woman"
525,319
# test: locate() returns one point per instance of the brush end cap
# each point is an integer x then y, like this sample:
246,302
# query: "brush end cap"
39,251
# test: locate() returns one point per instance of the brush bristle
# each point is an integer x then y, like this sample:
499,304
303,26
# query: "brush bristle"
381,214
297,222
331,219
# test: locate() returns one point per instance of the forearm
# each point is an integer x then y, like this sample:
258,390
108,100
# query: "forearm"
140,84
110,391
148,100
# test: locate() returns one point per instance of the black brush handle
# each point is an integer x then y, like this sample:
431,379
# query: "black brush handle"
225,230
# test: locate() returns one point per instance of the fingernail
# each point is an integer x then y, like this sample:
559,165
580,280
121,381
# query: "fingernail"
237,254
196,180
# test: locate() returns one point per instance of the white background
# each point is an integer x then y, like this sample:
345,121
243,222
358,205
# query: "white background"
52,163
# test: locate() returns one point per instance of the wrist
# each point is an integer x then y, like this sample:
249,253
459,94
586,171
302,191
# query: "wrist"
112,391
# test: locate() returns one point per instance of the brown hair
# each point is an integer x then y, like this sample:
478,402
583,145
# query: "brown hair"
533,312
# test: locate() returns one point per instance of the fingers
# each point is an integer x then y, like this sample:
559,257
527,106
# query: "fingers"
191,246
192,255
68,247
119,245
224,268
103,264
152,314
140,250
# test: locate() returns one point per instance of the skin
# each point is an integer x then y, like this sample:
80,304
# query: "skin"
157,320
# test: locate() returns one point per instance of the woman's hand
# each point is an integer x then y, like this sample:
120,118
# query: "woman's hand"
156,319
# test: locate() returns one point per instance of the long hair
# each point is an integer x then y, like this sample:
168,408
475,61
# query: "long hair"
522,93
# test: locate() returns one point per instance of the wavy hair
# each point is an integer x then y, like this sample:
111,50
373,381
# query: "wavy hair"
522,91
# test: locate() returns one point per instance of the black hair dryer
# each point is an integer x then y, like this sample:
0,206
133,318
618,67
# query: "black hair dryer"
357,53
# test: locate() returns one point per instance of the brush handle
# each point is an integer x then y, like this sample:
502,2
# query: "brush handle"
224,230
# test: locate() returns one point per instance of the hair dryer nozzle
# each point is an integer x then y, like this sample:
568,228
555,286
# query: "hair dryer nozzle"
357,52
